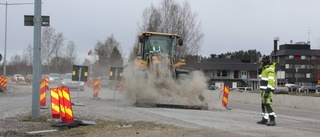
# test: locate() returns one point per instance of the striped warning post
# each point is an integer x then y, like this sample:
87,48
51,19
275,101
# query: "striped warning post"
225,96
46,82
4,85
1,81
55,104
96,87
43,90
67,106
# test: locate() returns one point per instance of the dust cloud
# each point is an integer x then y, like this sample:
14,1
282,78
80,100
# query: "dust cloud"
141,86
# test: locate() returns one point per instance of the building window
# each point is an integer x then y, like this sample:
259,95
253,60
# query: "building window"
289,75
312,66
303,57
318,66
297,57
236,74
297,66
308,66
291,56
287,66
313,57
303,66
221,73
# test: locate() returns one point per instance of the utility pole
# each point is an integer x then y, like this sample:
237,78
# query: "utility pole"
36,59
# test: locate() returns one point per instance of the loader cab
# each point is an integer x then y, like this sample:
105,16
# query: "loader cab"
157,44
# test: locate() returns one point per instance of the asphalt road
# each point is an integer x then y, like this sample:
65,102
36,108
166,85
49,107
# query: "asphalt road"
241,119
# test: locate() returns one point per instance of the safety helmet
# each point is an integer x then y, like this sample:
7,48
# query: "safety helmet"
265,60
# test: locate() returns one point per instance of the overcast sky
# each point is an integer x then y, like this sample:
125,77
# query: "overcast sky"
228,25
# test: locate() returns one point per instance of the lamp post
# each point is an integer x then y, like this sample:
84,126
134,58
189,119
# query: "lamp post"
5,33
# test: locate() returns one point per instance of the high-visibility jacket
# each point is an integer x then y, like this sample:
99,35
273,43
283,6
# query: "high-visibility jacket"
268,77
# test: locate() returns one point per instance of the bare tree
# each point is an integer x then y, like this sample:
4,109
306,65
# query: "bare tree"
51,46
71,53
19,65
28,54
176,18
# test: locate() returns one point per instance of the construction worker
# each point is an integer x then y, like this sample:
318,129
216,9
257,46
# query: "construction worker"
267,86
155,48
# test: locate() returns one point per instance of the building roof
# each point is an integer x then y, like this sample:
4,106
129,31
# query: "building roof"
296,49
296,52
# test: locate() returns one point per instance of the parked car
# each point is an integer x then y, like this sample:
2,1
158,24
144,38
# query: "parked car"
17,78
303,89
54,77
28,78
67,82
292,87
312,89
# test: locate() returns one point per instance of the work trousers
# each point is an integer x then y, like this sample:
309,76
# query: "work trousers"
266,105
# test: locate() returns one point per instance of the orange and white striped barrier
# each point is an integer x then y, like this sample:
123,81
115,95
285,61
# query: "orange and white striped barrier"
55,104
96,87
90,82
43,91
225,97
3,82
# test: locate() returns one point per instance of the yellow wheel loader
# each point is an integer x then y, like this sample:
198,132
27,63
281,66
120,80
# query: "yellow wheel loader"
155,78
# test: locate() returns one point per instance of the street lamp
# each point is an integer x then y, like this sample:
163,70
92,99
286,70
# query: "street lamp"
5,33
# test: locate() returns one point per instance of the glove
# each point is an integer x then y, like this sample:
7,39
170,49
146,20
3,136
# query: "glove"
266,93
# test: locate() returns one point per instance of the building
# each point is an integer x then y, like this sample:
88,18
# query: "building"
228,71
297,63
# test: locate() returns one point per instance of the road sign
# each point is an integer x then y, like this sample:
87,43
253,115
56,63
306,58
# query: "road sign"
28,20
115,72
79,73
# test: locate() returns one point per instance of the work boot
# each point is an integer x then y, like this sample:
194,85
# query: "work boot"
263,121
272,121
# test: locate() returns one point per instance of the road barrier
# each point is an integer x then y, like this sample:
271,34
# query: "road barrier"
43,90
61,105
225,97
90,82
55,105
96,87
3,82
46,82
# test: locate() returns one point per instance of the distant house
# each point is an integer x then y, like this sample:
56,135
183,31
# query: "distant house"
228,71
297,63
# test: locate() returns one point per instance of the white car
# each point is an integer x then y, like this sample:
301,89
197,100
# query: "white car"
67,82
17,78
54,77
